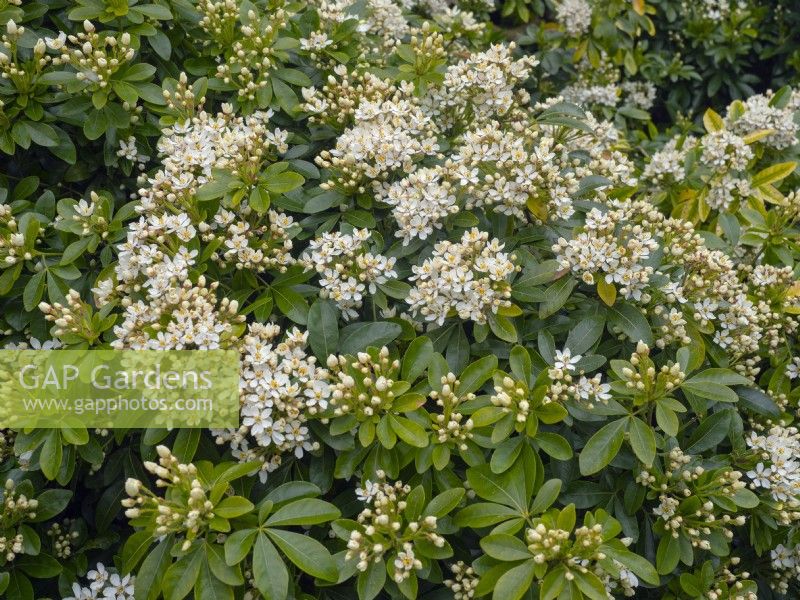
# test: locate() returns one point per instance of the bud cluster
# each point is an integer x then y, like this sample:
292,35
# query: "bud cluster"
15,510
96,57
184,510
365,385
449,426
386,530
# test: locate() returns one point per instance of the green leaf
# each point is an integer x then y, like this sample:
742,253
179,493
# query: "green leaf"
744,498
630,321
238,545
555,445
32,294
668,554
109,506
95,124
185,444
151,573
719,377
370,583
409,431
590,585
50,457
556,296
712,121
323,328
513,584
284,182
711,431
233,506
506,488
41,566
305,552
639,565
667,420
546,496
503,328
134,549
182,575
284,95
445,502
417,357
503,546
155,11
520,362
484,514
75,250
773,173
292,304
602,447
138,72
293,76
209,586
269,571
584,335
757,401
711,391
476,374
42,134
643,440
305,511
19,587
356,337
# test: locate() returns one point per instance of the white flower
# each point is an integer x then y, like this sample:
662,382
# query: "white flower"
565,361
369,490
782,557
760,476
56,43
792,370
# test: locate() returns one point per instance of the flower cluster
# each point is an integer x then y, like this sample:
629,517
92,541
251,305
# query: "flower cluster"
281,387
785,563
388,136
778,469
348,271
184,316
759,113
251,56
580,552
575,16
13,245
469,278
686,493
612,246
103,585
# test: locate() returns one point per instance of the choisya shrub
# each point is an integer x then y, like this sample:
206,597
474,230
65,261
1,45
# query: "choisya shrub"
488,349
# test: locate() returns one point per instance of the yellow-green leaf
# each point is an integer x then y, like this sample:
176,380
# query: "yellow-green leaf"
606,291
774,173
712,121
